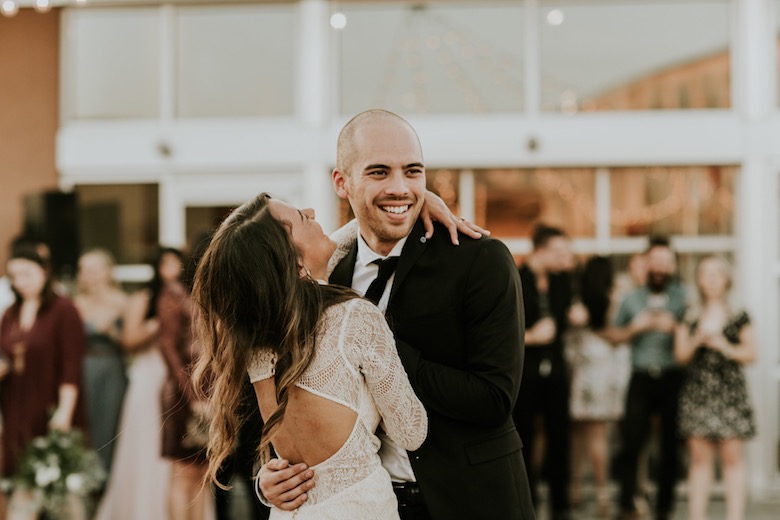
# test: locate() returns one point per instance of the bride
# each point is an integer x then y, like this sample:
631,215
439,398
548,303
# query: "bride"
322,360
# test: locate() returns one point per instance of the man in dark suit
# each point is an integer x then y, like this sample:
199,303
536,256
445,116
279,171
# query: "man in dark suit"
457,316
547,296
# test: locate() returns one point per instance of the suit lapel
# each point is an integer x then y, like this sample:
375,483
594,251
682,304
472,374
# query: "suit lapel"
414,247
342,273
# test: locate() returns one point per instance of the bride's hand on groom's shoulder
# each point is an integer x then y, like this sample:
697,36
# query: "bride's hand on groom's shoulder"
436,209
285,486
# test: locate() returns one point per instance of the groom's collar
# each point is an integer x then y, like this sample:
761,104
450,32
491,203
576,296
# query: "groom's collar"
366,255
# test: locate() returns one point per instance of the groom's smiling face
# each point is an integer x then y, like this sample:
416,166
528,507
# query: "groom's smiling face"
385,181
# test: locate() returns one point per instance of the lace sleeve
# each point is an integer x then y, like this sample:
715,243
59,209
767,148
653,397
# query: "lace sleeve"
344,237
262,365
404,417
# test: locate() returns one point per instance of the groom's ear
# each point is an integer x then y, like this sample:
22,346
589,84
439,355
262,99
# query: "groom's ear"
340,182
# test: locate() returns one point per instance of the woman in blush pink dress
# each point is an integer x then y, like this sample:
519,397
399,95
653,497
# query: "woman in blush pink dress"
139,481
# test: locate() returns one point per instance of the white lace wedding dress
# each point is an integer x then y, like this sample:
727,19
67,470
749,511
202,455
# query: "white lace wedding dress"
356,365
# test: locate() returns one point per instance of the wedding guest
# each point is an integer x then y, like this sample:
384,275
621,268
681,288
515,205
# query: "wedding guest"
715,410
544,391
647,318
182,412
42,338
634,277
138,486
101,304
599,378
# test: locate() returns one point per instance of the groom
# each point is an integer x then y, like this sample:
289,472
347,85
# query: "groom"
458,321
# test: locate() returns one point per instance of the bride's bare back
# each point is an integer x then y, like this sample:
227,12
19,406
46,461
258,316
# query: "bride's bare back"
354,380
313,429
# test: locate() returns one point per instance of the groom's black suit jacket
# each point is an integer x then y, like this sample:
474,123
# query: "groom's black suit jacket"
457,316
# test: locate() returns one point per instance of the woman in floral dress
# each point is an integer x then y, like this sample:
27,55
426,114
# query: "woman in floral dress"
715,410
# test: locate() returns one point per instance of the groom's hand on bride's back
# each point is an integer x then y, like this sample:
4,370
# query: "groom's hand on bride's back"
285,486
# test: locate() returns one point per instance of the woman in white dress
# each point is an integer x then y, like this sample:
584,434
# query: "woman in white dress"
322,360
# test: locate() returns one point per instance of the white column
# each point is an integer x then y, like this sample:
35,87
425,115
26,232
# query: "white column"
314,108
172,214
467,194
752,71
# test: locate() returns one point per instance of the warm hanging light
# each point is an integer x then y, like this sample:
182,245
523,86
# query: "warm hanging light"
9,7
42,6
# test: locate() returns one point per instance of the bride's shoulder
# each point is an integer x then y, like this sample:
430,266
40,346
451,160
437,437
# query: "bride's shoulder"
352,307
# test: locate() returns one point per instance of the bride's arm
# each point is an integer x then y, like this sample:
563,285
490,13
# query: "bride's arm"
403,415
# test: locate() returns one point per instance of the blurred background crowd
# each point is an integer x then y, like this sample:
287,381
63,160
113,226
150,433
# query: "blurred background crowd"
128,124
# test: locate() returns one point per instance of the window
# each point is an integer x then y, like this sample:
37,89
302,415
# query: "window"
688,200
431,57
510,202
235,61
621,55
122,218
114,63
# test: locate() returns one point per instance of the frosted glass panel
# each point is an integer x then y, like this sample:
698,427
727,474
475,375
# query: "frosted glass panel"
115,62
431,57
639,55
236,61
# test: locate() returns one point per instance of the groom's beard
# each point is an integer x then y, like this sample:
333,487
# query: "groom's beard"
658,281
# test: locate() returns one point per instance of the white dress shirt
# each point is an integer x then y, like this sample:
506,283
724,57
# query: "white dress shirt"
394,458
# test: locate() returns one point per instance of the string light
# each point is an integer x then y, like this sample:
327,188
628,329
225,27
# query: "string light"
42,6
9,8
338,21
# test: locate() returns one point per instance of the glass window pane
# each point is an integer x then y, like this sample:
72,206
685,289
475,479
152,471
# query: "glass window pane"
445,184
686,200
235,61
510,202
122,218
114,63
203,221
620,55
431,57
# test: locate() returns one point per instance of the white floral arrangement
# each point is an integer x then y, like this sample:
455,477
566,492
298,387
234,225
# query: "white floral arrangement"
56,468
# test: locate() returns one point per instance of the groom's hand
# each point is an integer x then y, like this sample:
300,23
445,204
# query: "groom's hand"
285,486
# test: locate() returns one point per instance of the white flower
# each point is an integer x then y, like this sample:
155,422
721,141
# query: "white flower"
46,475
40,442
6,485
75,483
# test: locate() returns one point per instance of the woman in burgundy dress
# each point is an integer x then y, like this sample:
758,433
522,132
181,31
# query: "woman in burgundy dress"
187,498
42,339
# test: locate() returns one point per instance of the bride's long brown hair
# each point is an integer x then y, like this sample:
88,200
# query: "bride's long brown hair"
249,295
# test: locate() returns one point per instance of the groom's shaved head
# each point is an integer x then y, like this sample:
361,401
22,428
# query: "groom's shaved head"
345,147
